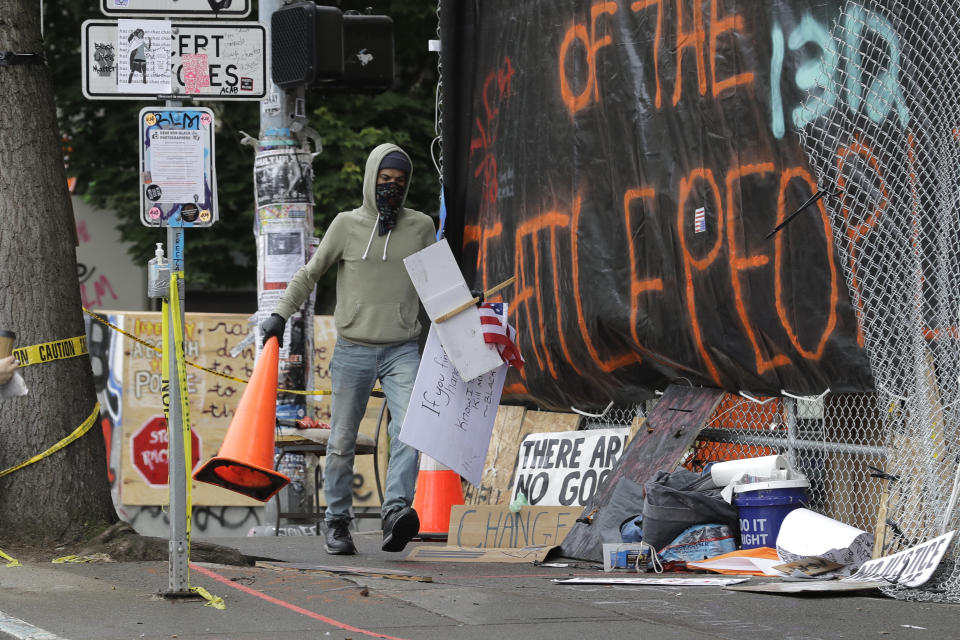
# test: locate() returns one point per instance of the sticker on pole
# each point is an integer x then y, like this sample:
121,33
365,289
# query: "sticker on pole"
178,186
148,59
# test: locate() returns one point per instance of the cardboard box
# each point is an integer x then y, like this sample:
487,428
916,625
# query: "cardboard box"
626,555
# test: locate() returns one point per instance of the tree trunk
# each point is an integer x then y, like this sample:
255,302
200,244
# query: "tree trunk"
64,496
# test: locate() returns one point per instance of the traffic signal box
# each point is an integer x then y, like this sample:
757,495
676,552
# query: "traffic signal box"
326,50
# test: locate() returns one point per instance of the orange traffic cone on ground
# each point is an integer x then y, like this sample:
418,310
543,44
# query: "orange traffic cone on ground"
438,489
245,461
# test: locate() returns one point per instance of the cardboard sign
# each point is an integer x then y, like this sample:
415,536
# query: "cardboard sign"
441,287
565,469
489,527
448,419
909,568
460,554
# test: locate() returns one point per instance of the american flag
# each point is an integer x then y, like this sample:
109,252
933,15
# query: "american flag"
498,332
700,220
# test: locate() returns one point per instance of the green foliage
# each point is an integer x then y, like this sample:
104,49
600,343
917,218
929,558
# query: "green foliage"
104,156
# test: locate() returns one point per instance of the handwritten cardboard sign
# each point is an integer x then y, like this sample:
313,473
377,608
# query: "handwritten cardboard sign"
449,419
564,469
491,527
909,568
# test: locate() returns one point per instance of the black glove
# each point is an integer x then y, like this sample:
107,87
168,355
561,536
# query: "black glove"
273,327
477,293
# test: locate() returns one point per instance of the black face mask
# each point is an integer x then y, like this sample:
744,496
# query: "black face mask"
389,201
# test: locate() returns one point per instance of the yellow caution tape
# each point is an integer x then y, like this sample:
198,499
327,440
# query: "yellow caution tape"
184,397
315,392
212,601
50,351
74,559
77,433
13,562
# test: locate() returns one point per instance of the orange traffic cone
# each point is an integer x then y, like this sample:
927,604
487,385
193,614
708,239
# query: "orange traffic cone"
438,489
245,461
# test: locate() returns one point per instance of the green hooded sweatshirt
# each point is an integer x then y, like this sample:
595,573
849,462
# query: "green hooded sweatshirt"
376,302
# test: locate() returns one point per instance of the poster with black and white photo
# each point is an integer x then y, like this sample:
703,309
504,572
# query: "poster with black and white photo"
284,253
564,469
283,176
143,56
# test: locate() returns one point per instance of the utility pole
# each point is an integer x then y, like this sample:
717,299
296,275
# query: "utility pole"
283,184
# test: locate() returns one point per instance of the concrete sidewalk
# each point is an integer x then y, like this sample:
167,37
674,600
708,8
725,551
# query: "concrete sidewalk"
106,601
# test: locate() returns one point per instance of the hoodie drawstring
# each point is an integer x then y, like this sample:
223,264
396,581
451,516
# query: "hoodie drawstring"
370,241
385,243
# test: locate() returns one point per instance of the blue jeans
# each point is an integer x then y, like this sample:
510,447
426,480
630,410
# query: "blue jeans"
354,369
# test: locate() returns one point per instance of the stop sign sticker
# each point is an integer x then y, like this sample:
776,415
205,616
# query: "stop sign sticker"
148,448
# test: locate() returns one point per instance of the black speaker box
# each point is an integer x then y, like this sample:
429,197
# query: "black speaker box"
307,45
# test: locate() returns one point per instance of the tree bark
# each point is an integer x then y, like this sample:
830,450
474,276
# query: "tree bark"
65,496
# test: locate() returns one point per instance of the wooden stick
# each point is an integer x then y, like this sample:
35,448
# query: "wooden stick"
470,303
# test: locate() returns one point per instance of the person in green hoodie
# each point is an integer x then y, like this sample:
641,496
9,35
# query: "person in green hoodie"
377,332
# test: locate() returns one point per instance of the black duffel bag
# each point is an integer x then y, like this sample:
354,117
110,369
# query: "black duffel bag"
676,501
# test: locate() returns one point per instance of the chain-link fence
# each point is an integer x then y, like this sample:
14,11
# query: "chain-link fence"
837,441
882,135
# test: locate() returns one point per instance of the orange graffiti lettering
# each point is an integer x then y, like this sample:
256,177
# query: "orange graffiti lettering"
740,263
529,295
605,365
637,286
689,262
686,39
816,354
590,43
718,26
857,232
657,34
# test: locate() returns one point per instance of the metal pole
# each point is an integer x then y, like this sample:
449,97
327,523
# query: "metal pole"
179,552
179,543
758,438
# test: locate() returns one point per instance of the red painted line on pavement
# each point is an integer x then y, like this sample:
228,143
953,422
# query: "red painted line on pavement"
287,605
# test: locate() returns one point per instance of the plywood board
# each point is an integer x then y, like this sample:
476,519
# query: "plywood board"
670,430
509,429
210,340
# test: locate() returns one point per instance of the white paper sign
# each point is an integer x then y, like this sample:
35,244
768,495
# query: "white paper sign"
177,164
441,287
143,56
911,567
564,469
448,419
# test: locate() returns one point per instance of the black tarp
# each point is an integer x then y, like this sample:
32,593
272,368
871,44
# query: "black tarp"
626,161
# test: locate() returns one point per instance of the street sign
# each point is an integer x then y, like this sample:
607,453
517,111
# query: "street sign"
160,59
177,8
178,183
148,451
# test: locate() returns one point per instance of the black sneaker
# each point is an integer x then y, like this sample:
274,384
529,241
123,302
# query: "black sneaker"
339,542
399,527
